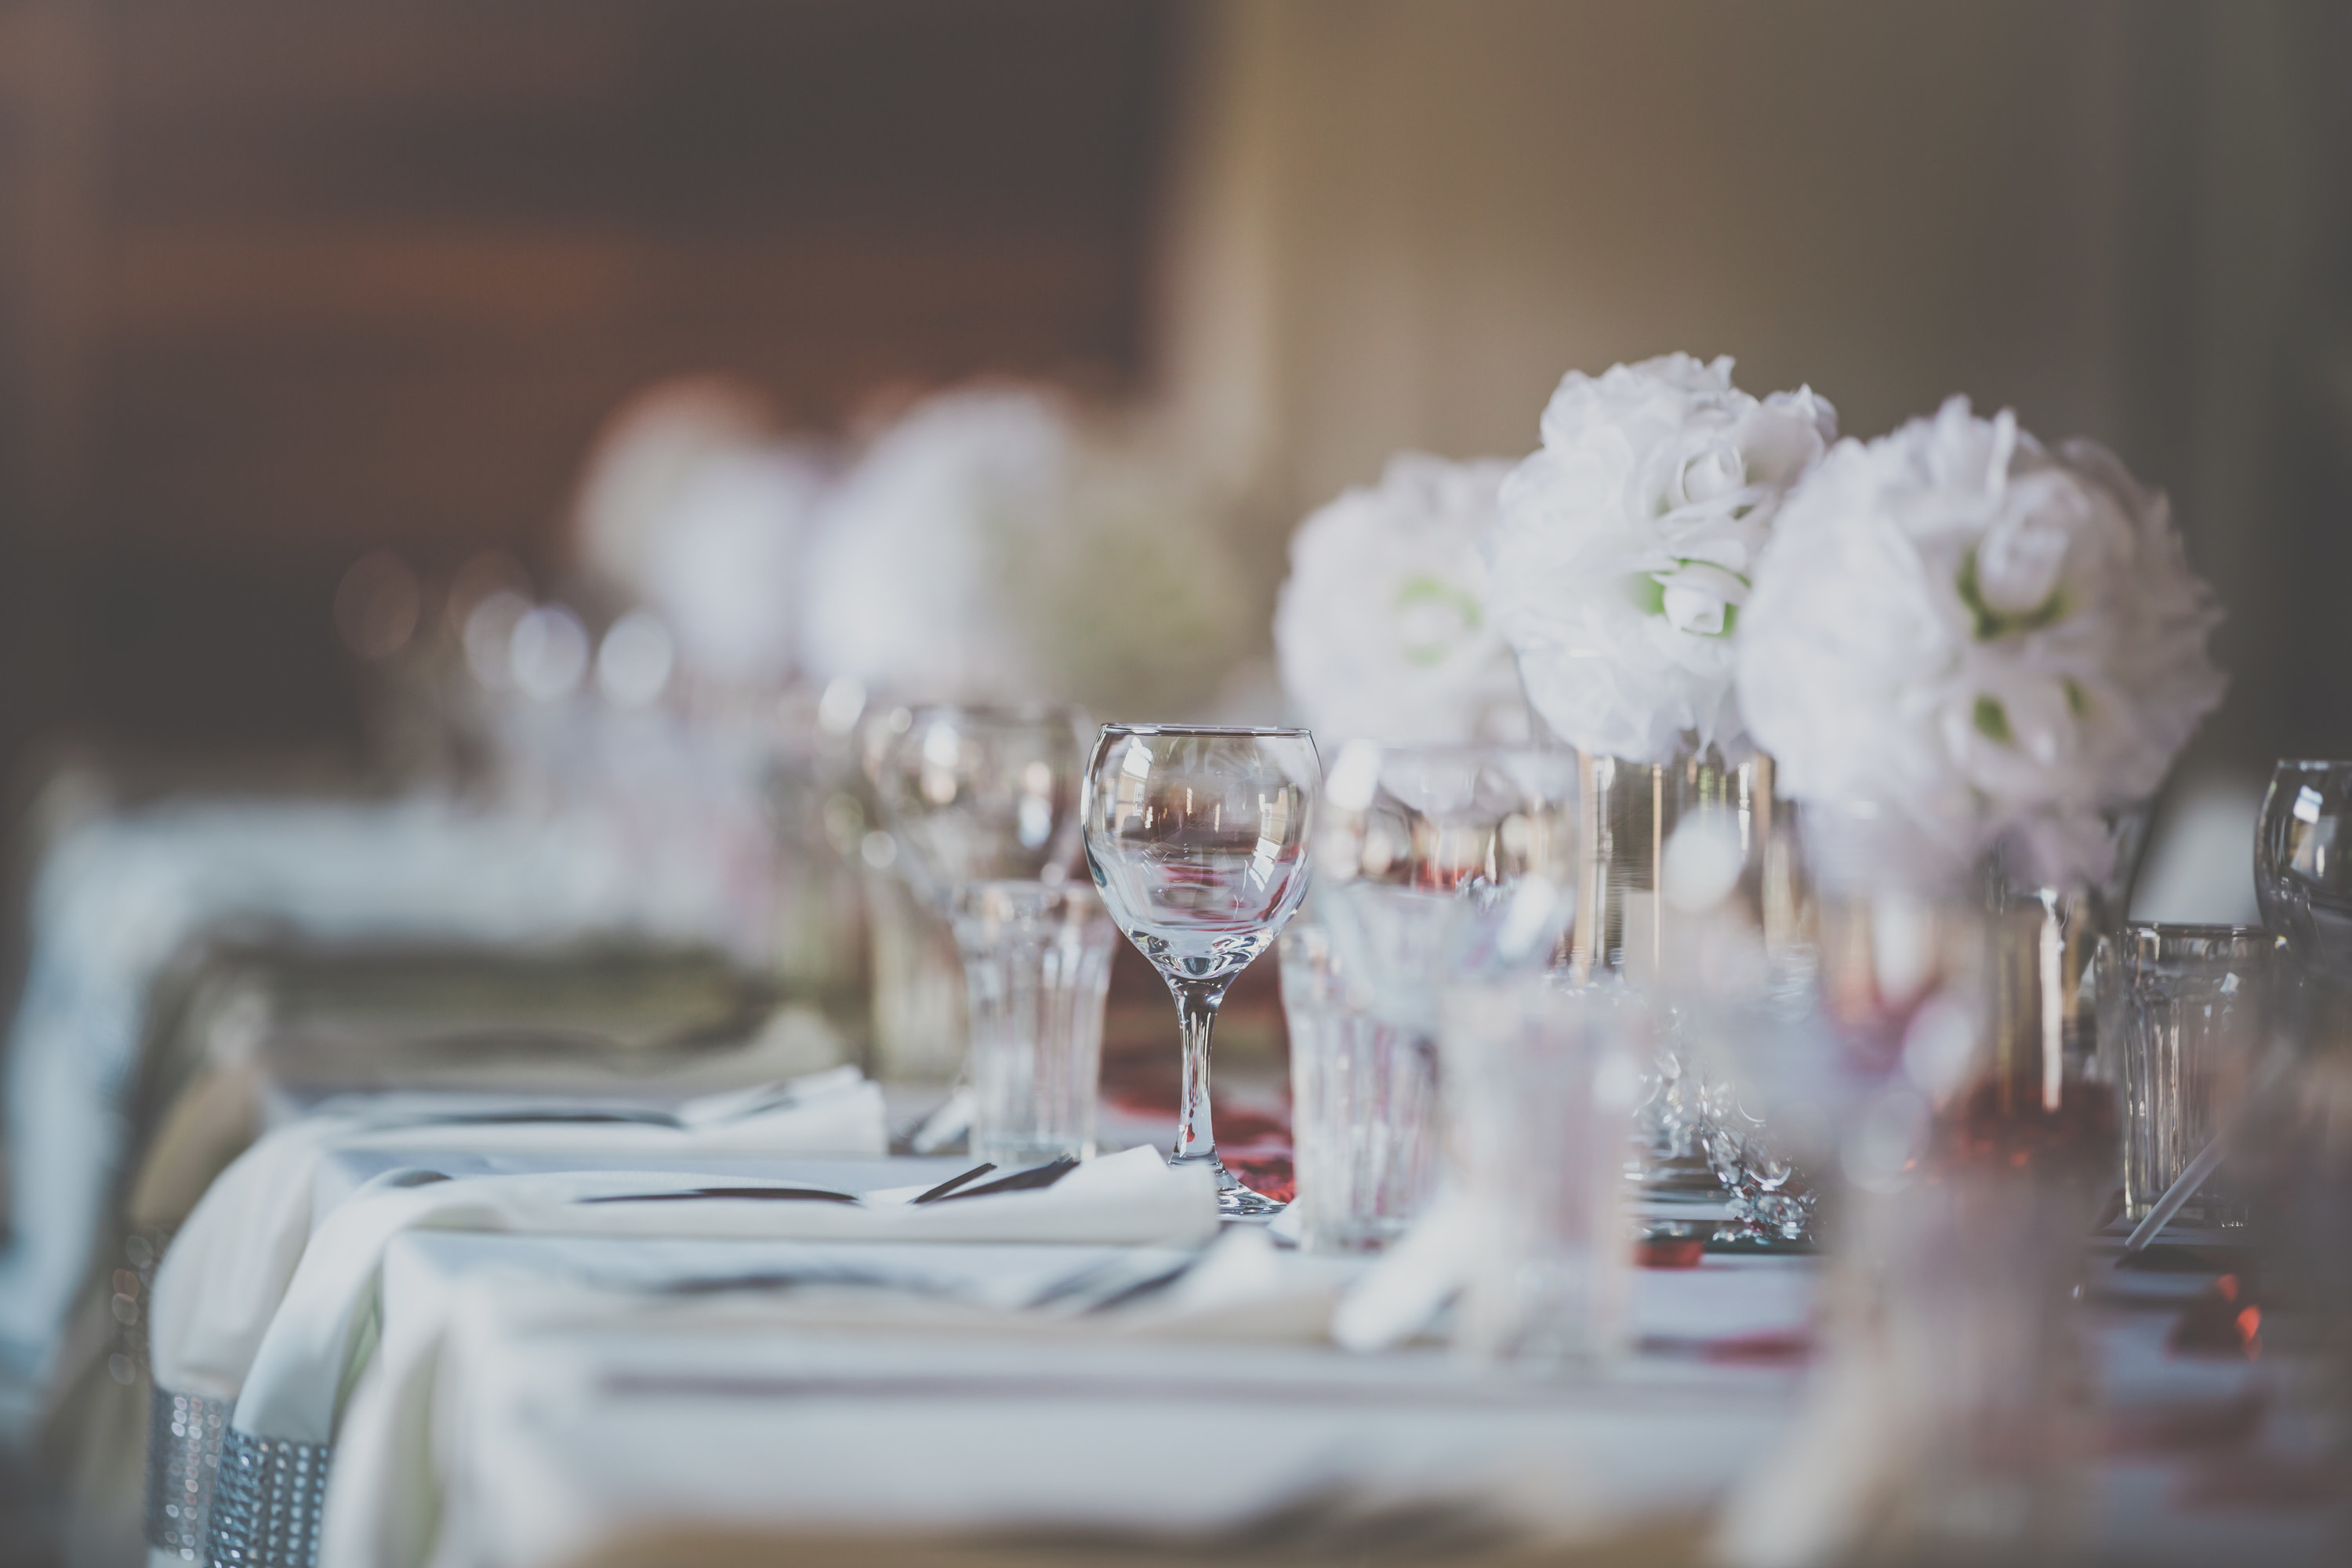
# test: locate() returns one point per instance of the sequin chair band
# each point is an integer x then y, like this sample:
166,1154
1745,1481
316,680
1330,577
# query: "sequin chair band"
184,1445
267,1504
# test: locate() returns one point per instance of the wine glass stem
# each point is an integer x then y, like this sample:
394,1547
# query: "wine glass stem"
1196,1012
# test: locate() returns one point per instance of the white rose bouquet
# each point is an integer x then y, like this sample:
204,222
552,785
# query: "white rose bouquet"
995,544
1622,560
1380,632
1979,638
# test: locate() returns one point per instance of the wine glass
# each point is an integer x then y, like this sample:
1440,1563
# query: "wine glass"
1197,839
2302,866
1445,863
983,795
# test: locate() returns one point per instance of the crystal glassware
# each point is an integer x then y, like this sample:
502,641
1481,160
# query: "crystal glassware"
980,797
1542,1079
1197,839
1437,865
1037,964
1363,1098
2303,867
982,794
2193,1002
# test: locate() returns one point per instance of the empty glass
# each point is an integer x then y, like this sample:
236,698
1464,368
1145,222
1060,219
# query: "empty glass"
1363,1098
2302,866
983,809
1196,839
979,795
1441,864
1540,1084
2192,1028
1037,964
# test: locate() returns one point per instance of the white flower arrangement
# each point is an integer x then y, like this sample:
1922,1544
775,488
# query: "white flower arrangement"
992,545
1988,641
1380,632
1622,559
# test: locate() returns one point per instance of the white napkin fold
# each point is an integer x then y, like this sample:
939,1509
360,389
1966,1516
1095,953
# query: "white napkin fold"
225,1273
320,1335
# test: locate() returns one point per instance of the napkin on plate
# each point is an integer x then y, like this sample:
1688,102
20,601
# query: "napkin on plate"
319,1334
226,1271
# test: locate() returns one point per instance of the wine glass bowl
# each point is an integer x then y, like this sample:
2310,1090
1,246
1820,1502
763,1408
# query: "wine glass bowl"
1196,839
2302,866
983,795
1445,863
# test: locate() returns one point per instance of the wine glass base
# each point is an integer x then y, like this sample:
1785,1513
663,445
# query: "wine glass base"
1237,1202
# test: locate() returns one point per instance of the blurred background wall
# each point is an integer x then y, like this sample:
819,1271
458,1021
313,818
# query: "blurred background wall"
280,283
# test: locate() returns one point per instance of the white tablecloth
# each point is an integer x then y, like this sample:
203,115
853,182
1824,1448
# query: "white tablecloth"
537,1395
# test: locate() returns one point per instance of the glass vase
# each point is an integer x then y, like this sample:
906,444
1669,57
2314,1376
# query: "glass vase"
2046,1091
1689,891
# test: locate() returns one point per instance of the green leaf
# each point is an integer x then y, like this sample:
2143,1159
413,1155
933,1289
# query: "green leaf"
1992,720
1646,593
1992,624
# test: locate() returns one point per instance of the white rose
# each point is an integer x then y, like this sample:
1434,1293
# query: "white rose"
994,546
1627,545
1990,640
1380,632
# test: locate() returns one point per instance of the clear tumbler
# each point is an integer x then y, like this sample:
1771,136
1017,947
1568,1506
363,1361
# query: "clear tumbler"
1540,1081
1364,1106
1037,969
2194,999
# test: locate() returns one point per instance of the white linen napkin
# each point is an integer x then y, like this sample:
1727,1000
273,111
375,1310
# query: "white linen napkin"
227,1270
320,1334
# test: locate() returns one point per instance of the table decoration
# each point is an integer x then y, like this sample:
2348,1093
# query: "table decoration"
994,543
1196,837
1382,631
2002,648
1618,573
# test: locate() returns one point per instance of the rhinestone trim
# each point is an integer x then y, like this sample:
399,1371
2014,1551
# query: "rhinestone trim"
266,1508
184,1445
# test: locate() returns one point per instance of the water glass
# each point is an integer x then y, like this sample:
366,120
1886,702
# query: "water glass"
2194,999
1540,1081
1037,968
1364,1106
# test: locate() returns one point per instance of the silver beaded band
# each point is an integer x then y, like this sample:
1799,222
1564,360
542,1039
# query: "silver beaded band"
184,1445
266,1508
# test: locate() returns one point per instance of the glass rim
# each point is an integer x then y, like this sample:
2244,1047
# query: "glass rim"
1262,731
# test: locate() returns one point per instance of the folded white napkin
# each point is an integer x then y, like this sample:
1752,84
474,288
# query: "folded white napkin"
320,1336
223,1275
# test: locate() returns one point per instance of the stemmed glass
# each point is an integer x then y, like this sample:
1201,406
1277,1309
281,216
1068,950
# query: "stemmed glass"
1197,839
1445,863
2302,866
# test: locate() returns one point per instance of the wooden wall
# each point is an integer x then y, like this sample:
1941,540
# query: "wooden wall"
280,282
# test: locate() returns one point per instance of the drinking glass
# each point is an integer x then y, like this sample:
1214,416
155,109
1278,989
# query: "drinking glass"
2302,866
1038,966
1541,1080
986,798
2193,1000
1442,864
1363,1098
1196,837
983,795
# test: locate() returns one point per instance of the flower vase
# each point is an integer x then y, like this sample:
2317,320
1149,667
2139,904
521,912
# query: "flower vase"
1675,933
2046,1093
